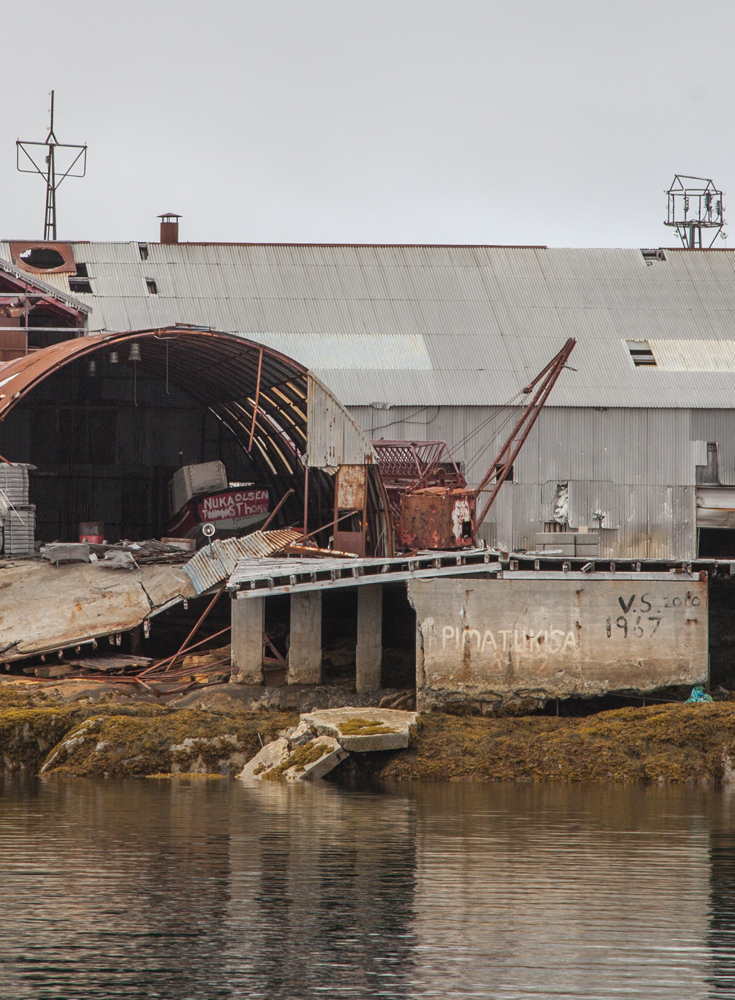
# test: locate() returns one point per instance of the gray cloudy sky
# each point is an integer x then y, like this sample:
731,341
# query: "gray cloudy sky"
557,122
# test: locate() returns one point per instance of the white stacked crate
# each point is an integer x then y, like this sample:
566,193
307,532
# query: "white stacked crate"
18,517
14,482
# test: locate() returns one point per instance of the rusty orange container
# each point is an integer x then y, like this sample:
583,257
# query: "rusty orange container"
437,518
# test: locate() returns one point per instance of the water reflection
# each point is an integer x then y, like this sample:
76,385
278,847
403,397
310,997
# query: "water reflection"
205,889
721,937
325,887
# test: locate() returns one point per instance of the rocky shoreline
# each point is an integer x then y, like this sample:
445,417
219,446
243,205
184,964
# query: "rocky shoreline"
44,733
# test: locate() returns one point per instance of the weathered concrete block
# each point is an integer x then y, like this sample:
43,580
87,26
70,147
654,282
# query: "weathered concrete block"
364,729
333,754
481,642
300,734
369,653
248,620
281,761
271,755
305,651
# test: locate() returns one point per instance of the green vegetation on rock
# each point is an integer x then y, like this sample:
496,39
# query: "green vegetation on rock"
364,727
675,743
299,759
40,733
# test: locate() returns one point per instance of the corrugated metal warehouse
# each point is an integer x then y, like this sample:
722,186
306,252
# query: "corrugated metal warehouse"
637,444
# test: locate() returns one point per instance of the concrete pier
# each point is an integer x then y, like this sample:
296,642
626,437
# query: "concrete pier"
248,620
540,635
305,651
369,638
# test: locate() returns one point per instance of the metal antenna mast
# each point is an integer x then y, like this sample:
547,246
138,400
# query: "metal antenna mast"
48,172
695,204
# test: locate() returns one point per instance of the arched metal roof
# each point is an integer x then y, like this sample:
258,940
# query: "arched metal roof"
270,402
284,417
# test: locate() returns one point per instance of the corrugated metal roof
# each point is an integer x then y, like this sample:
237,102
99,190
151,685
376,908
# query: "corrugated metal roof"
56,285
428,325
216,562
694,355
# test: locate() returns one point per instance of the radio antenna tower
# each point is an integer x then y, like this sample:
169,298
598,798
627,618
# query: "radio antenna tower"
695,204
48,172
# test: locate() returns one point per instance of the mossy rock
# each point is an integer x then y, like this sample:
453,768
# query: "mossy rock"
28,734
164,741
673,743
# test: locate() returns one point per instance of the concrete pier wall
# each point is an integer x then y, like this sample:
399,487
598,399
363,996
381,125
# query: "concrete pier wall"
556,635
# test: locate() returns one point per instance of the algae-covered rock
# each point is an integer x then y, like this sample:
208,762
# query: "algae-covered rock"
164,741
675,743
27,735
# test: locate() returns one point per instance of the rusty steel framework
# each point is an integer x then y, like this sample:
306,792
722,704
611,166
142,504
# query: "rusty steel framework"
258,394
429,500
694,204
48,171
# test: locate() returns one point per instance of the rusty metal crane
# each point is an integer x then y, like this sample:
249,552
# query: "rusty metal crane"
430,502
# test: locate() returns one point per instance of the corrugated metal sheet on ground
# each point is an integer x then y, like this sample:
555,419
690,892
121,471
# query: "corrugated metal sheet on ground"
216,562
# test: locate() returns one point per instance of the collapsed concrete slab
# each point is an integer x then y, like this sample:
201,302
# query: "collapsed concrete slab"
282,760
362,730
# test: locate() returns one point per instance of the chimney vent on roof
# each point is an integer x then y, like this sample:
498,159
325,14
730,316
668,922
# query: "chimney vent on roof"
169,227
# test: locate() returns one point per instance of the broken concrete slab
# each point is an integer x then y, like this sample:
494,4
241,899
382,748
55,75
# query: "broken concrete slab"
271,755
364,729
280,761
44,607
300,734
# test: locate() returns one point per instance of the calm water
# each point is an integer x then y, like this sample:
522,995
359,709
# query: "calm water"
190,888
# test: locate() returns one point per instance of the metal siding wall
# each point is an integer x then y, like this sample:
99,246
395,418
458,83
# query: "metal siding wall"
719,426
636,464
333,436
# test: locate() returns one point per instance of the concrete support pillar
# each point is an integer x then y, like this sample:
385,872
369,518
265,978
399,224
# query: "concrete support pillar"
248,621
369,637
305,650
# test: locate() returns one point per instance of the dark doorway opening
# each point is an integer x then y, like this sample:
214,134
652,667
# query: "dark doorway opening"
716,543
722,632
339,636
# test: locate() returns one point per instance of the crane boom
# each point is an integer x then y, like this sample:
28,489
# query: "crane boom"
507,455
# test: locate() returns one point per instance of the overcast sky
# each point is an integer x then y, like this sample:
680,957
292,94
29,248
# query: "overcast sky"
557,122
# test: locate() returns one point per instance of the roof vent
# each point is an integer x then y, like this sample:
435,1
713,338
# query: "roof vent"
641,353
169,227
42,258
652,255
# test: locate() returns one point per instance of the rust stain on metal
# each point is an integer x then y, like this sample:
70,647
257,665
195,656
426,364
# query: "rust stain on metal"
351,487
436,518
